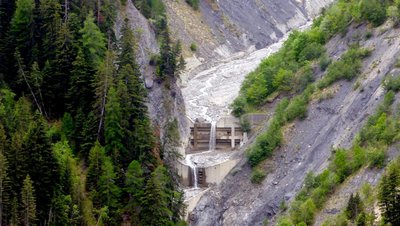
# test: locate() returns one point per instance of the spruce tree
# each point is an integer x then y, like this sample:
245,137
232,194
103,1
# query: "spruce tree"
134,186
389,195
93,41
22,29
109,192
28,202
45,172
103,82
354,207
96,160
4,188
155,200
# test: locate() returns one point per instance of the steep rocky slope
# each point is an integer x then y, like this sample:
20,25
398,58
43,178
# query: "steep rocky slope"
222,27
330,123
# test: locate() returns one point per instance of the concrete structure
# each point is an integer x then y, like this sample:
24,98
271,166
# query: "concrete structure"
229,135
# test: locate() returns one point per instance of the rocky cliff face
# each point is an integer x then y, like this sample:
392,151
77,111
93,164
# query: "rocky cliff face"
308,143
223,27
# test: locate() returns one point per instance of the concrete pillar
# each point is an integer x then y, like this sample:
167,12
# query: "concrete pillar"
195,137
233,137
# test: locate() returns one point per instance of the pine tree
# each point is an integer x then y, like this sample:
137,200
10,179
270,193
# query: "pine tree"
108,190
389,195
80,93
4,188
354,206
134,185
113,130
155,201
45,174
28,202
93,41
103,82
22,29
96,160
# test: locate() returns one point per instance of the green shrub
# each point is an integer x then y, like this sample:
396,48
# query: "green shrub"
376,157
392,83
193,3
265,144
324,62
373,11
284,221
245,124
347,67
238,107
340,164
193,47
257,176
296,109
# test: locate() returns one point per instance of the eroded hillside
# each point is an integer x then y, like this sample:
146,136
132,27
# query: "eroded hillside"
332,121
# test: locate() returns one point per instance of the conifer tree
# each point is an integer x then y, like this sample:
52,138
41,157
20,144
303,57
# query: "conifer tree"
103,82
28,202
134,182
155,200
22,29
4,188
96,160
354,206
389,195
45,172
109,192
93,41
113,130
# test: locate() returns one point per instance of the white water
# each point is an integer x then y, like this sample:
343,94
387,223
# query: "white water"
213,138
192,165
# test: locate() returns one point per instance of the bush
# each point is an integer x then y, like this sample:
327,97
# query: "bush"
245,124
376,157
324,62
193,47
257,176
392,83
238,107
296,109
193,3
373,11
347,67
341,164
265,144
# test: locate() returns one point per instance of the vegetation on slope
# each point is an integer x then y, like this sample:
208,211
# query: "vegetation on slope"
289,71
76,143
369,148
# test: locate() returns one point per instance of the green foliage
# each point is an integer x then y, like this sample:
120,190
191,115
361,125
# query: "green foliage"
193,47
28,202
245,124
257,176
354,207
347,67
389,194
193,3
392,83
373,11
93,41
303,212
265,143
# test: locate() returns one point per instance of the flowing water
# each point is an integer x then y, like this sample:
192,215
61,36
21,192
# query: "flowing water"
213,132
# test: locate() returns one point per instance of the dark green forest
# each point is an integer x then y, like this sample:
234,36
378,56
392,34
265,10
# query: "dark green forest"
76,143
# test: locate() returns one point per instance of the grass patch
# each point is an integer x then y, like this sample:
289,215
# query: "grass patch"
257,176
